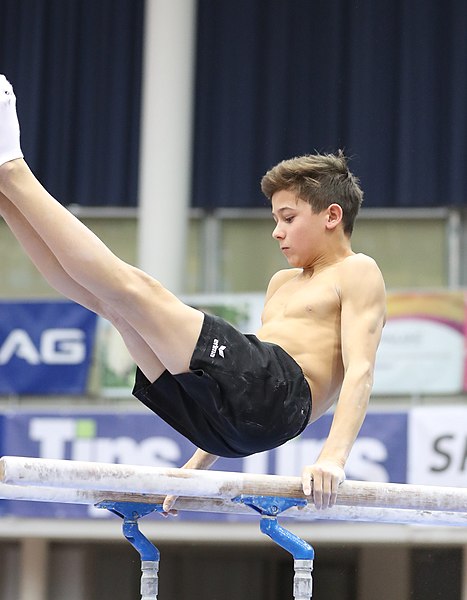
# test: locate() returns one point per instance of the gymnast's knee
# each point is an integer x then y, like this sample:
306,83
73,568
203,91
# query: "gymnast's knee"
139,287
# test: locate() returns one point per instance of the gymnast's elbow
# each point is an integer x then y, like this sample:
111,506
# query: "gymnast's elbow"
360,375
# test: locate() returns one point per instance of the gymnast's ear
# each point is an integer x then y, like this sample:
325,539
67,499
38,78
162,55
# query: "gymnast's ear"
334,215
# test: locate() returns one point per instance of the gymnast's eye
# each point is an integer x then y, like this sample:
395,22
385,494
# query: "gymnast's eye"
289,219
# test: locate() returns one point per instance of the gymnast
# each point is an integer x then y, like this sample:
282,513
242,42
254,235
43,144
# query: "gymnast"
230,394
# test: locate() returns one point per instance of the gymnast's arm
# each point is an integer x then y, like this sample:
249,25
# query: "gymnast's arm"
363,310
199,460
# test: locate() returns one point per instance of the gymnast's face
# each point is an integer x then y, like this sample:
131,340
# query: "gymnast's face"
301,233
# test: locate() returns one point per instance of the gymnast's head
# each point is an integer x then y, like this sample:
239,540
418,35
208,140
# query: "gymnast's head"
320,180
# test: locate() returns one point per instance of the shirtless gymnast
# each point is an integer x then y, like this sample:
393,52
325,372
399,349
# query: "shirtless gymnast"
230,394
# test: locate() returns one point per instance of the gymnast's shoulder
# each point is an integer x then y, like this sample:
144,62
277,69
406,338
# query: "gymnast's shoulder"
360,276
360,264
279,278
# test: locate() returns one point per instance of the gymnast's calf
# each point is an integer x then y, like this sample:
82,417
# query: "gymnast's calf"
230,394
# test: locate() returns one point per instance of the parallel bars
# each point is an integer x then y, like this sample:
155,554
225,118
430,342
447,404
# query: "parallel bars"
80,482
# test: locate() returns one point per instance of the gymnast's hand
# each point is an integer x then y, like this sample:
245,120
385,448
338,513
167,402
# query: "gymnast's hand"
321,481
199,460
169,501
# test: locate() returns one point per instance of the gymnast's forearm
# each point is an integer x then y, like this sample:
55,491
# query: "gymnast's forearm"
201,460
348,417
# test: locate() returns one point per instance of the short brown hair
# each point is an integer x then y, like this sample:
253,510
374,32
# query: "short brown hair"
320,180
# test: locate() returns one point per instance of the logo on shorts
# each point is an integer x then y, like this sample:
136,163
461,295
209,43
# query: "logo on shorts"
216,348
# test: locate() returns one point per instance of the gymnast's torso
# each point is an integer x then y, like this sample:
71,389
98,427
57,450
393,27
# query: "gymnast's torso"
302,314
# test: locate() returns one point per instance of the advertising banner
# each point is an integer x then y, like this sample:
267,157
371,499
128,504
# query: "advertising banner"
45,347
140,438
422,346
438,446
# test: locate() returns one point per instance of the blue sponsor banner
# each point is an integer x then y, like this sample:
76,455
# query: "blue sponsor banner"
378,454
140,438
3,504
45,347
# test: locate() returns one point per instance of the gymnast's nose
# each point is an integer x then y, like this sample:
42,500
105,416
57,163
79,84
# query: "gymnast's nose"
277,232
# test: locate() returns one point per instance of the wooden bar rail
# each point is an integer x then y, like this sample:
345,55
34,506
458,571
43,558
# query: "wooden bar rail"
212,491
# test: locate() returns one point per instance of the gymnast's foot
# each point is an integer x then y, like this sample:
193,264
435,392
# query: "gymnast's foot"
9,127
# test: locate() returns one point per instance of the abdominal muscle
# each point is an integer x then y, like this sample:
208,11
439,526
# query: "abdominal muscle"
313,346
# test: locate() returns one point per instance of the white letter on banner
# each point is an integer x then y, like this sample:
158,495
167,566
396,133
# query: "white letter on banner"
18,343
116,450
153,451
437,445
364,460
52,435
63,346
83,449
159,452
294,455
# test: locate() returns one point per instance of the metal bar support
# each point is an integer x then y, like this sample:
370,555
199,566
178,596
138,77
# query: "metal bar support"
131,512
269,507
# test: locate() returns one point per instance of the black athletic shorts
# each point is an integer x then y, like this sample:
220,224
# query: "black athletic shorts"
242,395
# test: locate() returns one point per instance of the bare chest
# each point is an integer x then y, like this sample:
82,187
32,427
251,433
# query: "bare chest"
312,300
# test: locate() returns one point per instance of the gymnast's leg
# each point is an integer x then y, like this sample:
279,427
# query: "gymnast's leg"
51,270
169,327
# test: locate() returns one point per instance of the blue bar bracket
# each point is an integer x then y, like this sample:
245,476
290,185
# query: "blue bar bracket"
131,512
269,507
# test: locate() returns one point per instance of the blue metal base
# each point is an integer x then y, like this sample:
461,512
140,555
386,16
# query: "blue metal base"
269,508
130,512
